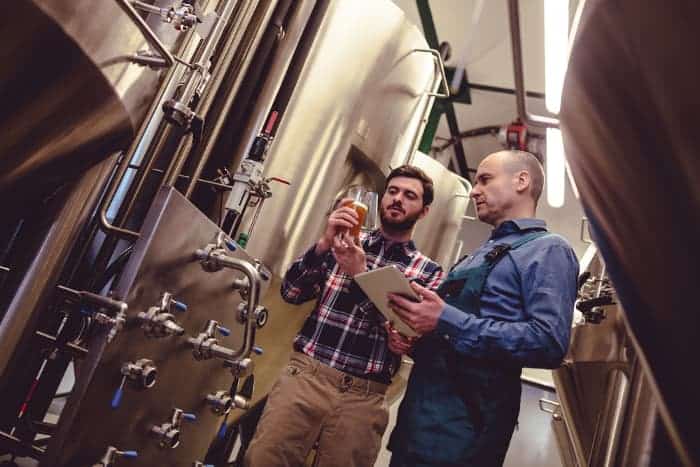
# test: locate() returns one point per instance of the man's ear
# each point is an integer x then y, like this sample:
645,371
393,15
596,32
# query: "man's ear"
424,212
522,181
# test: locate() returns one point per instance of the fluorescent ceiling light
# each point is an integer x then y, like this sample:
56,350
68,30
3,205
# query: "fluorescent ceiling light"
556,46
556,168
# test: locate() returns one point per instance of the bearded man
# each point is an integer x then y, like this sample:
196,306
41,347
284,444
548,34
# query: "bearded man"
333,389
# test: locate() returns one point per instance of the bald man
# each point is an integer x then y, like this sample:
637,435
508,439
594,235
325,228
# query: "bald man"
506,306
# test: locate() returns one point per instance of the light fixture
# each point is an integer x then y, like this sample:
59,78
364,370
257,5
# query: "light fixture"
555,167
556,56
556,50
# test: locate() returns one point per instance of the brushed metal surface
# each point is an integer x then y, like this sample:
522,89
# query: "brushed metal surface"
629,121
436,234
60,64
357,108
163,261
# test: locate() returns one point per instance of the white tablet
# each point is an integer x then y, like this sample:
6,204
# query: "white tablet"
377,283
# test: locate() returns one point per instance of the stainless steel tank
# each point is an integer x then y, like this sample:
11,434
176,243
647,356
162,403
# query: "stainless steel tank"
360,102
629,121
70,96
357,111
436,234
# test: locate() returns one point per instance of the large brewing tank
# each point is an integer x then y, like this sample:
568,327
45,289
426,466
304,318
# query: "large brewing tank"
629,119
358,110
360,103
69,97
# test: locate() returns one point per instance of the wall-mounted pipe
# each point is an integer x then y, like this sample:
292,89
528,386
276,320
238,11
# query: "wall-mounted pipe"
529,119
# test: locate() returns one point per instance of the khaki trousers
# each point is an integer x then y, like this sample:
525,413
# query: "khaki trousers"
311,401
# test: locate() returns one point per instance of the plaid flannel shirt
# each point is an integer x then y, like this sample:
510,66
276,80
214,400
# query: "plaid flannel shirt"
345,330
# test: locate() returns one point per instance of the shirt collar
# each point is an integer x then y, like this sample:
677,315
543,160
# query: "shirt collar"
375,237
518,225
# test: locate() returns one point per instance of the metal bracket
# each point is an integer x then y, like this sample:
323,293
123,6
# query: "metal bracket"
148,33
441,68
551,407
585,238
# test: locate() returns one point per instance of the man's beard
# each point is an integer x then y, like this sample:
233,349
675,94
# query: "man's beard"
400,226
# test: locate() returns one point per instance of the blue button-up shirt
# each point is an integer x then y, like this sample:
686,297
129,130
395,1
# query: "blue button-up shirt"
527,303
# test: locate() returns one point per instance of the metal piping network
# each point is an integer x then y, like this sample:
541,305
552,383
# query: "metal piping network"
276,75
179,110
214,258
217,125
536,121
148,132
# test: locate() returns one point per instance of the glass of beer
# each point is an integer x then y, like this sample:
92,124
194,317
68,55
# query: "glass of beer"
361,200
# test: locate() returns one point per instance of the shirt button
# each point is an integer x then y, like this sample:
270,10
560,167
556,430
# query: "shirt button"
446,337
490,241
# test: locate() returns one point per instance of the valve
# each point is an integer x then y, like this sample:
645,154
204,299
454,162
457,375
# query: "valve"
260,315
263,270
111,454
142,372
168,433
220,402
206,345
200,464
182,18
98,307
159,320
242,286
240,368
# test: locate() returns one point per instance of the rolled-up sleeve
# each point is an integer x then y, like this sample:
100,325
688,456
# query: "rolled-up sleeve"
542,338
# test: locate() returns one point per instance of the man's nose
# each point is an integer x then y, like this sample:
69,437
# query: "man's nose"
475,192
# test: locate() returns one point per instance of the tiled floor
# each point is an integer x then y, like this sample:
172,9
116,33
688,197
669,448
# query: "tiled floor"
533,443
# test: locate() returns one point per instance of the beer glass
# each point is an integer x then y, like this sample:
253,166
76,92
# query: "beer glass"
364,203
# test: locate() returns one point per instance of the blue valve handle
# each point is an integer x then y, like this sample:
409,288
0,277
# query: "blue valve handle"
189,416
179,306
224,331
117,398
222,430
128,453
230,244
257,350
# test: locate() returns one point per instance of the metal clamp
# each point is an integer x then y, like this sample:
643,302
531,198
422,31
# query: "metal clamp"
441,67
148,33
551,407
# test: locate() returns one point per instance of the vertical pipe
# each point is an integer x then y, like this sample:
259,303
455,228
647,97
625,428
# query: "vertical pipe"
37,286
